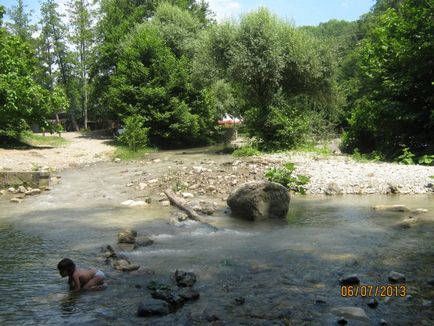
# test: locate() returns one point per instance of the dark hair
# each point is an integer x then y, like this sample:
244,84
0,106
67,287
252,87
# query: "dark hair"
67,265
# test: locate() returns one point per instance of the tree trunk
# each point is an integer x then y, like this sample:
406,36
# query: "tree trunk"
182,205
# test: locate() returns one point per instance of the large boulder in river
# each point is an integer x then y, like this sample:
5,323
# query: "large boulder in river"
258,200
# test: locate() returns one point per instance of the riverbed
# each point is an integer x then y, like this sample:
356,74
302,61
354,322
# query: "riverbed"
287,272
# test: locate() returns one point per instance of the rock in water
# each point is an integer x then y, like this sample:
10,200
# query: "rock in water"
153,307
185,279
351,313
259,200
127,236
350,280
392,208
144,241
395,277
188,294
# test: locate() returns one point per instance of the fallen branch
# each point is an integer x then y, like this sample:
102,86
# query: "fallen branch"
182,205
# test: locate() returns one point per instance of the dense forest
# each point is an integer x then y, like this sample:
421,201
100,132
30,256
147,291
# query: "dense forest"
168,71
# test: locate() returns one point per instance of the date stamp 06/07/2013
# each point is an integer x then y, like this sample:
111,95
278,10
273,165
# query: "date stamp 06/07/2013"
368,290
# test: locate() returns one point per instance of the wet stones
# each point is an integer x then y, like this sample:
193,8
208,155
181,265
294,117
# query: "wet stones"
118,262
173,299
184,279
351,313
151,307
395,277
259,200
127,236
128,240
407,222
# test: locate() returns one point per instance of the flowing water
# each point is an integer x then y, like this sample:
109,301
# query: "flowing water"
287,272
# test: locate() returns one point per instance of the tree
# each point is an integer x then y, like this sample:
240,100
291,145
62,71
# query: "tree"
395,105
280,73
22,101
151,81
82,38
20,25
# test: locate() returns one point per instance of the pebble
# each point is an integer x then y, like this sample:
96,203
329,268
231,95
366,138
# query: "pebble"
16,200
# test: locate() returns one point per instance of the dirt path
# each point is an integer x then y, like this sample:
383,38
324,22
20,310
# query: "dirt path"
80,149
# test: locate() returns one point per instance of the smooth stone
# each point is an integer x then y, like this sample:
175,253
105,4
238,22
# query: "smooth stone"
407,222
395,277
144,241
117,160
333,189
351,313
187,195
16,200
152,307
165,203
188,294
124,265
2,192
22,189
134,203
342,321
33,192
383,322
350,280
419,211
12,190
392,208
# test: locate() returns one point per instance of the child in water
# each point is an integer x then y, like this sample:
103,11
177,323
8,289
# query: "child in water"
86,279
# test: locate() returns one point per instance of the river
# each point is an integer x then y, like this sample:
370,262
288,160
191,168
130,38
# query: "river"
287,272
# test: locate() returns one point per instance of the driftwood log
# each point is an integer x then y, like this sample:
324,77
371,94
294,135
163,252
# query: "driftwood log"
182,205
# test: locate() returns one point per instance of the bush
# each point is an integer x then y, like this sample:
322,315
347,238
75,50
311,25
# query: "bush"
284,176
135,136
246,151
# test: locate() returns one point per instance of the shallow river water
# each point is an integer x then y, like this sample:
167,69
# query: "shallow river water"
287,272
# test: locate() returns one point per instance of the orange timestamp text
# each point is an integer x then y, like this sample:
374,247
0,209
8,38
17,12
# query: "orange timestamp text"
386,290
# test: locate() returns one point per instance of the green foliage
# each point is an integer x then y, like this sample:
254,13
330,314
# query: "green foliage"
246,151
135,135
279,73
362,157
284,176
393,101
407,157
22,100
426,160
151,81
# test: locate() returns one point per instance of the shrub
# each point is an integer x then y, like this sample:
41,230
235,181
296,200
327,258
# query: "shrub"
246,151
284,176
135,136
407,157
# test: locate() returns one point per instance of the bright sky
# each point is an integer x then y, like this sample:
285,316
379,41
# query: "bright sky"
301,12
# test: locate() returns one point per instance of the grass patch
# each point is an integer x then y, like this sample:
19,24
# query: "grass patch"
320,149
374,156
39,140
246,151
126,154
